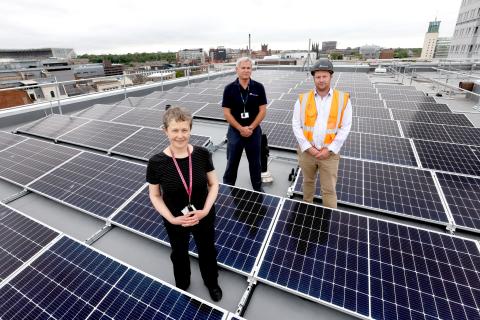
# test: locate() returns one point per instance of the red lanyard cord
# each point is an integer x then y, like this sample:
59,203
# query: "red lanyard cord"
189,188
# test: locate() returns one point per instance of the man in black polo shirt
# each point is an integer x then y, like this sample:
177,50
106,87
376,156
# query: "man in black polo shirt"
244,107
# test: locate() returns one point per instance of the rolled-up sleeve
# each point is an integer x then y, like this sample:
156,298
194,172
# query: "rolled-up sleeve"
297,128
343,132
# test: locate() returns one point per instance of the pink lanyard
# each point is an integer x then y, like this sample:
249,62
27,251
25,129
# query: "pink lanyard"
188,189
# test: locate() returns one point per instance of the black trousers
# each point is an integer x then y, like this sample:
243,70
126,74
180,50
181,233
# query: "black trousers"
204,236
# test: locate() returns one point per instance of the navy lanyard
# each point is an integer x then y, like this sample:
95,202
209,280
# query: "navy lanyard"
244,100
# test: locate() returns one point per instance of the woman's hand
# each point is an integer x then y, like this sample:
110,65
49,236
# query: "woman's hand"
190,219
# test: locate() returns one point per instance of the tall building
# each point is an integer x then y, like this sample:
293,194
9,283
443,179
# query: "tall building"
430,42
442,47
329,46
465,42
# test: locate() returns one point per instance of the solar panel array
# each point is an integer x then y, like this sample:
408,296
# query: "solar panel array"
371,268
387,188
92,183
243,219
73,281
131,140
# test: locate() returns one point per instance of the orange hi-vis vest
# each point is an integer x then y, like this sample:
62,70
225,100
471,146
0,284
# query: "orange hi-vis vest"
308,113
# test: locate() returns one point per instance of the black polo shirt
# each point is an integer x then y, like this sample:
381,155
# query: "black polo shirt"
254,97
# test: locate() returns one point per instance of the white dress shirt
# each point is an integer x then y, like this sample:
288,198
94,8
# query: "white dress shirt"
319,130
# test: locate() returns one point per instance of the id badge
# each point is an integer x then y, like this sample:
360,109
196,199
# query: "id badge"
244,115
188,209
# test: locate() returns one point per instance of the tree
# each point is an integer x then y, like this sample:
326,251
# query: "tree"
400,53
336,56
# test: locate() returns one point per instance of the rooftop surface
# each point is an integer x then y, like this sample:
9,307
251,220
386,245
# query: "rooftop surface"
410,164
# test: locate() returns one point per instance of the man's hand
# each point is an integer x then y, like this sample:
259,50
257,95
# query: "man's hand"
323,153
246,131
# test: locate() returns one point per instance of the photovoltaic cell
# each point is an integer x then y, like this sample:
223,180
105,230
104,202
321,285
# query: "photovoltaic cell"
202,98
8,139
320,253
464,135
99,135
279,116
402,190
352,146
20,239
282,137
148,142
376,126
349,185
418,274
425,131
457,119
387,149
282,104
94,183
243,218
52,126
446,157
211,111
28,160
463,199
371,112
408,115
367,103
72,281
142,117
104,112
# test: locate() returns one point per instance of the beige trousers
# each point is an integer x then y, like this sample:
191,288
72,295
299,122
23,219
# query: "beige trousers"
328,171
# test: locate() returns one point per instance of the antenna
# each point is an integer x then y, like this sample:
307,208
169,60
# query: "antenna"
308,60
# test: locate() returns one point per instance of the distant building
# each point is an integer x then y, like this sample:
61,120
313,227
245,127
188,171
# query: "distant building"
191,56
37,54
442,47
112,69
465,42
218,55
370,51
386,54
328,46
430,42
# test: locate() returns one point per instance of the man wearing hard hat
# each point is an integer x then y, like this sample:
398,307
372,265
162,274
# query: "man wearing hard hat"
321,122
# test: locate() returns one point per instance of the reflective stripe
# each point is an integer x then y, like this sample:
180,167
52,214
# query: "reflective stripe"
308,114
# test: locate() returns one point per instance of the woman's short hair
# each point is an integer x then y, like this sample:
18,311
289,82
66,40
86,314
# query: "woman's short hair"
179,114
244,59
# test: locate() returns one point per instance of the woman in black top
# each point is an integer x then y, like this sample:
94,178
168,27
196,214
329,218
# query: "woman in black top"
183,188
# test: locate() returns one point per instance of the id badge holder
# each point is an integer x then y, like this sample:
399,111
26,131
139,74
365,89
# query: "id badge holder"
244,115
189,208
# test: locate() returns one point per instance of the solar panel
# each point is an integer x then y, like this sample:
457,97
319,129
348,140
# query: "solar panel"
419,274
188,89
282,137
464,135
190,105
202,98
349,184
457,119
407,115
445,157
167,95
20,239
148,142
425,131
463,199
142,117
140,102
215,92
8,139
52,126
29,159
364,95
279,116
405,191
92,183
104,112
273,95
73,281
289,96
282,104
367,103
436,107
352,146
371,112
243,218
319,254
387,149
376,126
210,111
99,135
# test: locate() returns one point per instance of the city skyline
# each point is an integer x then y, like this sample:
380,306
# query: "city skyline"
148,26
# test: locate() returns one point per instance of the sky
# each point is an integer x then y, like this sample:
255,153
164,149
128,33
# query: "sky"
122,26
